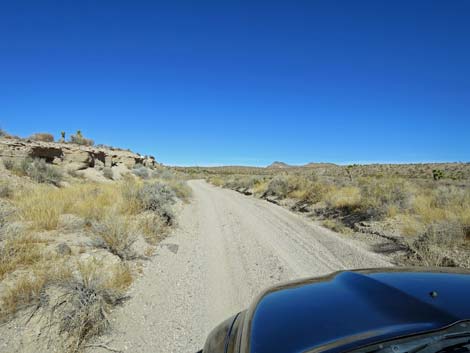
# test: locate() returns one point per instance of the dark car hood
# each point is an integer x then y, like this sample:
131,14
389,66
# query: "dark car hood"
347,310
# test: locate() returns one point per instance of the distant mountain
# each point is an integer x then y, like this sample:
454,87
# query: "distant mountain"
278,165
319,165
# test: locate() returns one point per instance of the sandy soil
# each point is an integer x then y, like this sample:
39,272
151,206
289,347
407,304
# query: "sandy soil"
227,248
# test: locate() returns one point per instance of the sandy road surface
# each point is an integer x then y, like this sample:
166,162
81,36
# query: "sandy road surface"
228,247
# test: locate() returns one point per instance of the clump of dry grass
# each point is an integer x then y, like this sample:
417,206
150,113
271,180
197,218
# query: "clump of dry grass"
181,189
116,234
343,197
26,291
19,251
216,180
153,227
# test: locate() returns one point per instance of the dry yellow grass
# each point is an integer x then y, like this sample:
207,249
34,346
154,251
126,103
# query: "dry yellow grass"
121,277
348,196
19,251
25,292
260,187
181,189
153,227
41,205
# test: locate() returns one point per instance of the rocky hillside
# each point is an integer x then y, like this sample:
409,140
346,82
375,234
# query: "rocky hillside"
72,157
278,165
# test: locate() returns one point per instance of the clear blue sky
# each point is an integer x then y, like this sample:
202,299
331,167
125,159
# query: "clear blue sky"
243,82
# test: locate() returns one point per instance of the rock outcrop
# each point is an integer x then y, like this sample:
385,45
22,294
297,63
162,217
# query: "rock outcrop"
72,156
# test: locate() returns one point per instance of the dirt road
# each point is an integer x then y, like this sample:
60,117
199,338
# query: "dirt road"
228,247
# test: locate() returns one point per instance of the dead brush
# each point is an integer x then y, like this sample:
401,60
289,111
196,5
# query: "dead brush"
81,313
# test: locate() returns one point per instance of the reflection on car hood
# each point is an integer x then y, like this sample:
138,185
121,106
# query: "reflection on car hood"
347,310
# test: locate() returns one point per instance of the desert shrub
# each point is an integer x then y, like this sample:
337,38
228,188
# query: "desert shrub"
41,172
116,235
163,174
315,192
380,196
159,198
87,301
181,189
108,173
9,164
6,190
278,186
42,136
429,249
79,139
38,170
141,172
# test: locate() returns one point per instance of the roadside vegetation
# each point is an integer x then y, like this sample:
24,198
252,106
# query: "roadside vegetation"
70,248
428,218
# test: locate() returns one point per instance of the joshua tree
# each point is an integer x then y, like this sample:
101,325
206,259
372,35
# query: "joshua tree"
437,174
349,170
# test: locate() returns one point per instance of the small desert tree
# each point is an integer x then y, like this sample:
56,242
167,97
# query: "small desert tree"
437,174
